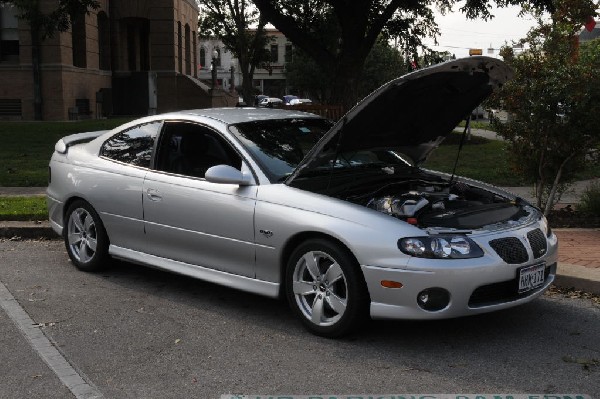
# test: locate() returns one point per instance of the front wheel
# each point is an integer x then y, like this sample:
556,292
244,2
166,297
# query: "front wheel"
325,288
85,237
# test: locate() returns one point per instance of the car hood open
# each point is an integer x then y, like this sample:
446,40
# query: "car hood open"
411,114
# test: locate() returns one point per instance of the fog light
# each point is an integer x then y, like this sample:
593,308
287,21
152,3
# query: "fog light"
433,299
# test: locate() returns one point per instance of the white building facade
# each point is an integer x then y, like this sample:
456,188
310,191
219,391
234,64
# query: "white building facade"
269,77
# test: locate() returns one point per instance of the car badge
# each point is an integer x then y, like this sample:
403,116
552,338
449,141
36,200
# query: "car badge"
266,233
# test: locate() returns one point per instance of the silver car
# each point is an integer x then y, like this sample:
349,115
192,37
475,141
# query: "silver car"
339,218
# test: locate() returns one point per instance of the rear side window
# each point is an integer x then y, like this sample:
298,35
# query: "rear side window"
133,146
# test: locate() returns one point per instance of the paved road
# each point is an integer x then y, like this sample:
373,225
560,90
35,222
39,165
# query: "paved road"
133,332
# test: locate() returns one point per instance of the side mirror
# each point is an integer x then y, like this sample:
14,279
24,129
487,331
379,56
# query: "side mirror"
226,174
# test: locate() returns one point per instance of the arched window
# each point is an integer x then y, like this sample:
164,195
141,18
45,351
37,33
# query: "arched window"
79,40
188,50
103,41
194,55
179,48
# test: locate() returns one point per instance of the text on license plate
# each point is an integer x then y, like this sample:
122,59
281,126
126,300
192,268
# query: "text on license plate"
531,277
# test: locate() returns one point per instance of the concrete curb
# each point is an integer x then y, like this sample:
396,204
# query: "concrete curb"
578,277
568,275
28,230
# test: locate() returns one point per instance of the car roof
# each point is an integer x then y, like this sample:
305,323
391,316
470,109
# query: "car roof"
235,115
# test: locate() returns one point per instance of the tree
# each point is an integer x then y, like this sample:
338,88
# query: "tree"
383,64
358,26
554,101
230,21
45,25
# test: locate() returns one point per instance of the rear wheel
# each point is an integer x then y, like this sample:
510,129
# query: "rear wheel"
325,288
85,237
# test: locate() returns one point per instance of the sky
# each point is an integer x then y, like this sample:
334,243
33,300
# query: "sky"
458,34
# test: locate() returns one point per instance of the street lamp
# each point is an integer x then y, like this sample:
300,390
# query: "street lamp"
213,66
232,78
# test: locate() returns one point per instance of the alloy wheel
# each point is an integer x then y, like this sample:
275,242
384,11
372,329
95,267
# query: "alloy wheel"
82,235
320,288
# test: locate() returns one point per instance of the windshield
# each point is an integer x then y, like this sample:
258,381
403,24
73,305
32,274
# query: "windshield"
278,146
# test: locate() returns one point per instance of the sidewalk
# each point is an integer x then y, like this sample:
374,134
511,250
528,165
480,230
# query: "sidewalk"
22,191
578,253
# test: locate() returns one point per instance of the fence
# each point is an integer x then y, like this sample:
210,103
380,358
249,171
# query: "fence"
333,112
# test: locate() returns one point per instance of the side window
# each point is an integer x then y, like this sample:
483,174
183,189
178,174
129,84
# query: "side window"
133,146
189,149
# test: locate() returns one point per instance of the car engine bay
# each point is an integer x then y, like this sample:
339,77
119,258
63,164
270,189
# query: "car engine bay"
428,200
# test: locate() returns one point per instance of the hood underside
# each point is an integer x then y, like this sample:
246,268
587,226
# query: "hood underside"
412,114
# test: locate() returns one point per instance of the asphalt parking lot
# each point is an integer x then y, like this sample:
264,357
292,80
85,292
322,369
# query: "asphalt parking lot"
134,332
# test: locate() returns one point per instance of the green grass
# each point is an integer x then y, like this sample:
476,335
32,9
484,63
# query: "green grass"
485,125
27,147
480,159
23,208
486,160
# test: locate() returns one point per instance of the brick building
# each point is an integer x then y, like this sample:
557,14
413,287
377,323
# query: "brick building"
129,57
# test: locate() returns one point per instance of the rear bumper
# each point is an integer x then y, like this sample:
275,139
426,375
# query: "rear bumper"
55,214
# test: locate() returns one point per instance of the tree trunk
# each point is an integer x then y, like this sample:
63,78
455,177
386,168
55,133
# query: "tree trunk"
247,88
37,74
346,81
550,200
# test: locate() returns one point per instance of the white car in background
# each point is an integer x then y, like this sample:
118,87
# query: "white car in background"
297,101
270,102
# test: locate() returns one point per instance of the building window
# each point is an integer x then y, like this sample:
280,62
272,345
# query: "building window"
132,50
79,40
103,41
9,34
274,53
179,48
288,53
218,50
188,50
195,56
202,57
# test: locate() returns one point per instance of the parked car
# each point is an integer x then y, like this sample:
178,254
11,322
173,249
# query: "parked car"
297,101
270,102
288,98
258,98
338,218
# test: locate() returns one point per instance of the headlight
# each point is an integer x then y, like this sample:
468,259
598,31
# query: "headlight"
545,226
440,247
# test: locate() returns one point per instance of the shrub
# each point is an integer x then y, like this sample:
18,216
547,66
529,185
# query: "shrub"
590,199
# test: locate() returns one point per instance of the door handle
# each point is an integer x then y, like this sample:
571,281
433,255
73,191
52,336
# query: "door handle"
153,194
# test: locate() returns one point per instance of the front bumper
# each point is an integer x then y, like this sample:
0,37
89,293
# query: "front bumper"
475,286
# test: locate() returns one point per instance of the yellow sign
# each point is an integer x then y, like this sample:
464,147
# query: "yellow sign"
475,51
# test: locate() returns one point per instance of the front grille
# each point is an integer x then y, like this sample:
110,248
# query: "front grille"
510,249
537,241
505,291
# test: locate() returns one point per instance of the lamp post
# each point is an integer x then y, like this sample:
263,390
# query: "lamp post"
213,67
232,77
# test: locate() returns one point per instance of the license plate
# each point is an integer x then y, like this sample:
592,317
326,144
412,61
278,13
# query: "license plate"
531,277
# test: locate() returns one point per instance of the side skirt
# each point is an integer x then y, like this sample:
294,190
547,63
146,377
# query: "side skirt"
247,284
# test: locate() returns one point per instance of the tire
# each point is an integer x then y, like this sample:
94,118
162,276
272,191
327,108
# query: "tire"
325,288
85,237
